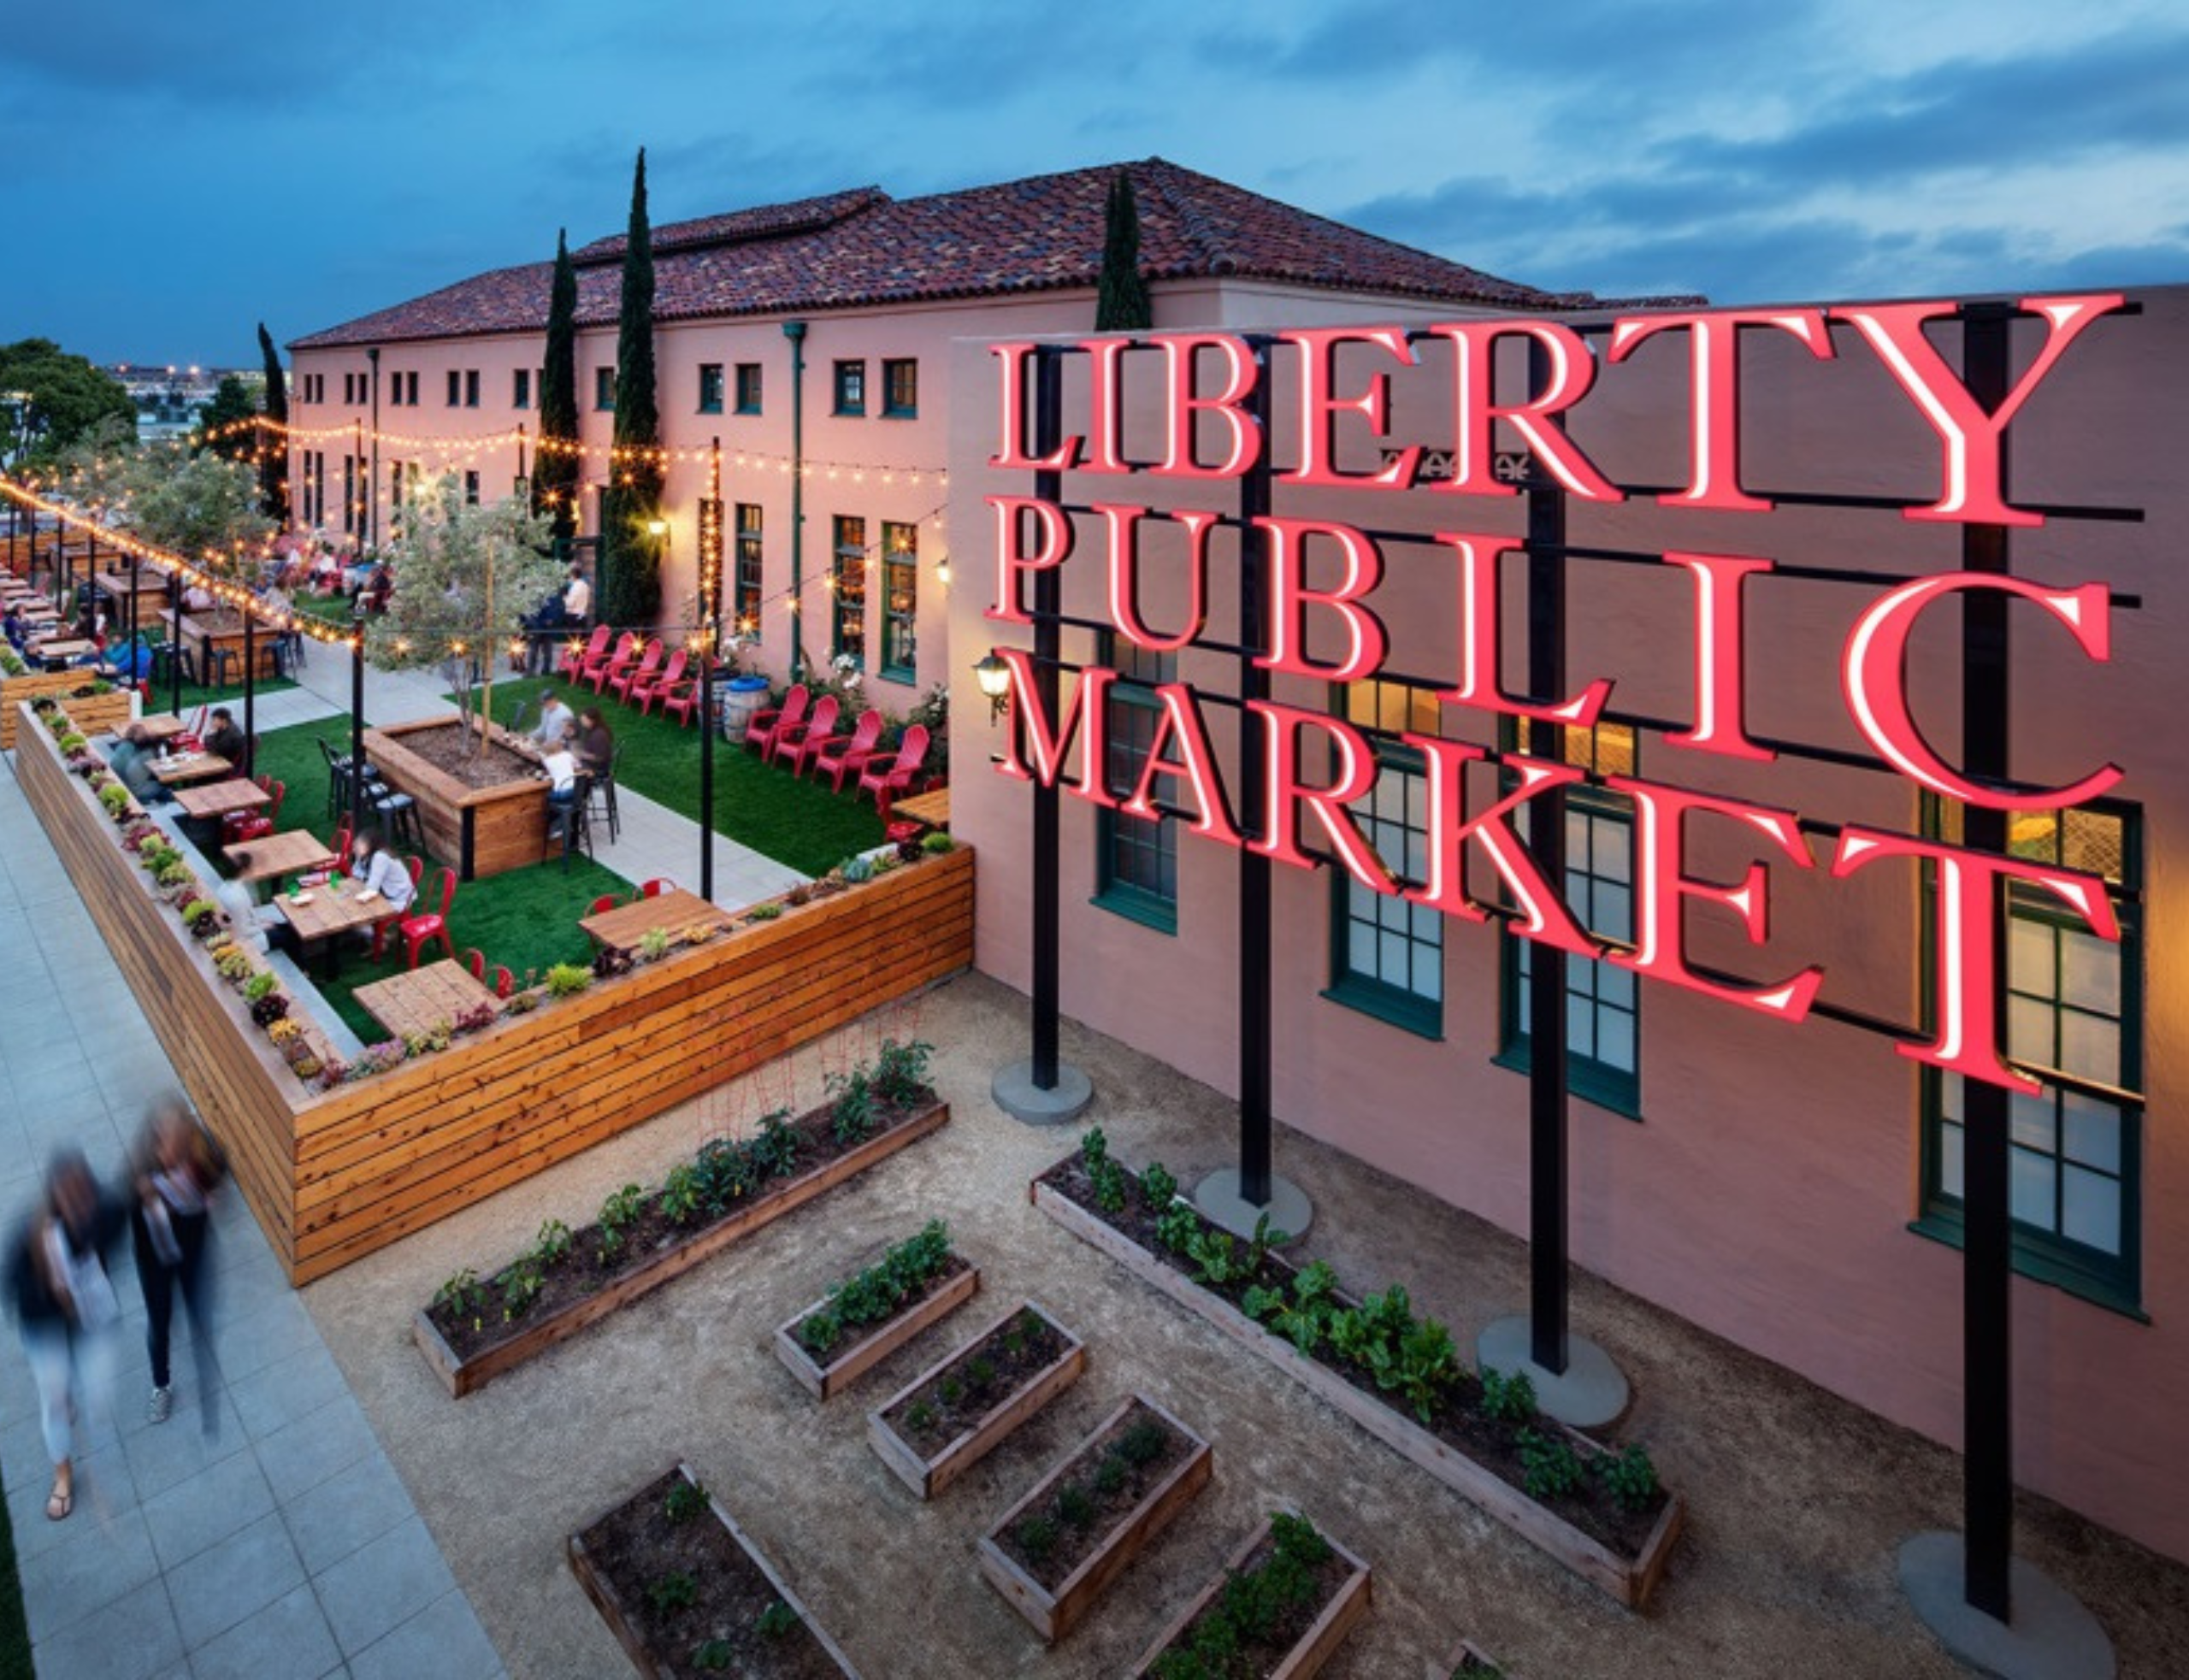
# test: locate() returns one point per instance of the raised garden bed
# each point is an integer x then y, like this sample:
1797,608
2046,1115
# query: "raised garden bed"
91,713
687,1593
865,1319
474,1329
1598,1511
1299,1596
483,829
1081,1526
1466,1662
956,1412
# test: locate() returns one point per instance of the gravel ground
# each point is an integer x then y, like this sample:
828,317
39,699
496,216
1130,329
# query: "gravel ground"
1796,1499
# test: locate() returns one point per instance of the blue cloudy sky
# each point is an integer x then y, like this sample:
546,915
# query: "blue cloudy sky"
179,171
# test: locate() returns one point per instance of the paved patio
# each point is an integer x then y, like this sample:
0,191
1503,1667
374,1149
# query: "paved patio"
284,1547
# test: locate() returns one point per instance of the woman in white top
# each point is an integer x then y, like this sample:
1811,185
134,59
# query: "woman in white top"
381,871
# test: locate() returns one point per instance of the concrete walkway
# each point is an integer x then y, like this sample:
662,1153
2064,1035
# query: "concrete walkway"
285,1546
652,840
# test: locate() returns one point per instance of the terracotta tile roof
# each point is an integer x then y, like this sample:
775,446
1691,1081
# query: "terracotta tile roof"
862,247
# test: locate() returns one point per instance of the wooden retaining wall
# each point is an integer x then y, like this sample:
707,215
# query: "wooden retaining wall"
336,1175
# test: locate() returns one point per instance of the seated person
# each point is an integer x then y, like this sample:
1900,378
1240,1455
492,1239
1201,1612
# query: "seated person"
131,661
249,920
555,720
595,746
577,598
562,767
380,584
225,741
373,865
132,760
91,625
13,626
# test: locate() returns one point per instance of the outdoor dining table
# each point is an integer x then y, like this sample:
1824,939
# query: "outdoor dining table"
322,915
216,631
273,855
216,799
623,928
931,811
424,1000
162,727
60,648
177,768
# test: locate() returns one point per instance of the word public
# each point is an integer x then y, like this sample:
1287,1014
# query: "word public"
1204,387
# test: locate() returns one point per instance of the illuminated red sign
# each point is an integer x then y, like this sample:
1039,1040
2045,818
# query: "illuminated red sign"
1206,390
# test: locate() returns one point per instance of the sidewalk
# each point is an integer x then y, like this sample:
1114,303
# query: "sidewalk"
285,1549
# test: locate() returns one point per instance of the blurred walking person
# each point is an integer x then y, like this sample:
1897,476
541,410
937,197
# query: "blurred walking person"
66,1304
176,1169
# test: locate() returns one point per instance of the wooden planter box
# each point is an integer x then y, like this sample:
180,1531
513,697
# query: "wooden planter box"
480,831
1629,1580
929,1477
614,1605
461,1376
1054,1615
1314,1648
855,1358
1466,1658
93,715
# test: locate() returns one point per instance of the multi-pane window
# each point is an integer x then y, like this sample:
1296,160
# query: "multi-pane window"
748,387
711,388
604,389
471,387
847,619
2074,1021
395,486
901,600
1136,858
455,387
851,387
350,492
1387,956
745,606
395,391
1603,1026
471,485
521,388
901,388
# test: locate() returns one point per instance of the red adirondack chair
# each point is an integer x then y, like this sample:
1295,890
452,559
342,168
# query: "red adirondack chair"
570,662
840,756
645,689
886,778
645,671
790,738
600,675
681,700
761,731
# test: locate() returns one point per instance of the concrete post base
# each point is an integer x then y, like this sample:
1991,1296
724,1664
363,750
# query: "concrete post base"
1289,1210
1588,1395
2051,1636
1018,1095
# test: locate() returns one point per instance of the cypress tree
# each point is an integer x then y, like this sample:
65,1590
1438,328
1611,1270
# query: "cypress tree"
274,441
631,584
555,473
1121,301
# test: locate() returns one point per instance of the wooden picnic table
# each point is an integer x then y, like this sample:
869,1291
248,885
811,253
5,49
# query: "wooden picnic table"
623,928
177,768
424,1000
325,913
273,855
931,809
59,647
221,798
161,726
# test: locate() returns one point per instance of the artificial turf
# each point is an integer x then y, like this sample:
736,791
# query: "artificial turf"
794,820
524,920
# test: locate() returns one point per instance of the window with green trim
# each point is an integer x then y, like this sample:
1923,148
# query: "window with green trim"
745,605
901,600
748,387
2074,1012
847,593
1387,956
1135,857
1603,1007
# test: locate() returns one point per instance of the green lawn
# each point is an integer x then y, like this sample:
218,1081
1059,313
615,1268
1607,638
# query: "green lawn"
196,694
525,919
335,610
796,821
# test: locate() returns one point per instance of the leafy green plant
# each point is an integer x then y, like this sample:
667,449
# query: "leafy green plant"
1093,1147
683,1194
1550,1467
686,1500
851,1116
617,1214
1177,1228
553,1246
980,1372
462,1295
567,980
198,912
1301,1319
1142,1443
776,1620
520,1284
1075,1505
653,943
674,1591
727,1171
712,1655
1629,1478
1217,1259
1507,1399
876,1293
900,1072
767,912
774,1149
950,1390
919,1415
113,796
938,843
1427,1366
259,986
1110,1475
1036,1536
1157,1185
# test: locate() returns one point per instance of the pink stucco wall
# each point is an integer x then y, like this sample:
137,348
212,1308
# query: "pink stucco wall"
1767,1192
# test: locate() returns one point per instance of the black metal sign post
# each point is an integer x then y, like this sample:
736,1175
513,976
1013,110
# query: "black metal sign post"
250,690
174,642
1044,1089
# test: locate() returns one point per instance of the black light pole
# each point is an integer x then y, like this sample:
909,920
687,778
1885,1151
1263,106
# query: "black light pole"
250,690
174,642
357,730
707,759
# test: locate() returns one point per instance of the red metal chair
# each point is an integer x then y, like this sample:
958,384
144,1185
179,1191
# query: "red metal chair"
475,960
761,731
790,738
571,661
681,700
419,931
251,825
604,903
646,690
623,681
504,982
842,755
415,868
342,845
598,671
656,886
886,778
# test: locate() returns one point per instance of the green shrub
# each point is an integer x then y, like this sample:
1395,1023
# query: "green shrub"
938,843
1629,1478
258,986
567,980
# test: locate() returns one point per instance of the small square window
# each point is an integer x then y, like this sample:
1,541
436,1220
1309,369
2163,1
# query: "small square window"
851,387
604,390
748,387
711,388
901,388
